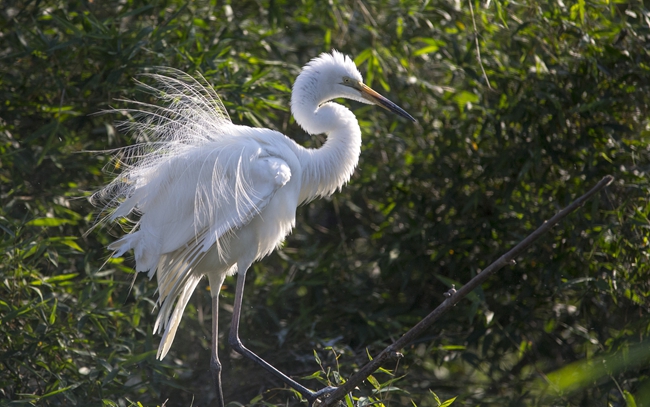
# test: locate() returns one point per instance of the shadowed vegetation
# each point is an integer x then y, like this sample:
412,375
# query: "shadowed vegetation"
559,98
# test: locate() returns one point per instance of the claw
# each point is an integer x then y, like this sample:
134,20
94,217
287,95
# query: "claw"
314,398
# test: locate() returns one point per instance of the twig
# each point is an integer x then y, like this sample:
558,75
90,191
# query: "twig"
508,258
478,49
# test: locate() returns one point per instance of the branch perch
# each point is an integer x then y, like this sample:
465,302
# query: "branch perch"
454,298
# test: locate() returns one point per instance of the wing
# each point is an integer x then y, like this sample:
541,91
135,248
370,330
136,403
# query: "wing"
194,179
194,175
191,201
190,205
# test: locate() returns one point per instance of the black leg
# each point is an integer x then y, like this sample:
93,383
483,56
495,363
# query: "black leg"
215,364
236,343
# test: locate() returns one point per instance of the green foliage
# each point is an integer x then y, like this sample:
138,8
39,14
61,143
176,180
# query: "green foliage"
559,97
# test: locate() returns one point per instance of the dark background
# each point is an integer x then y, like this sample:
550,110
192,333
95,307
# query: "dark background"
431,204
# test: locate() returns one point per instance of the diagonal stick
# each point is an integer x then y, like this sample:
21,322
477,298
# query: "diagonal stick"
392,350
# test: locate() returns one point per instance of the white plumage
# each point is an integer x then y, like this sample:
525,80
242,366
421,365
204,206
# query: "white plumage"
211,197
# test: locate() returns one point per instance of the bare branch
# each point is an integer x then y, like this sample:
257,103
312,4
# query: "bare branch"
478,49
455,297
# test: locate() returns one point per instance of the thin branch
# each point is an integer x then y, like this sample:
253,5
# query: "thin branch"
478,49
454,297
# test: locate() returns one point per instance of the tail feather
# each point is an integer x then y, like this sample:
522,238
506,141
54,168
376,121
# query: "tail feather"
177,279
174,321
146,257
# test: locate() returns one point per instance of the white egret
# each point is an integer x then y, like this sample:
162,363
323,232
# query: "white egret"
211,197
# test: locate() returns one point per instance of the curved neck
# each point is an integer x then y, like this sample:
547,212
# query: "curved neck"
328,168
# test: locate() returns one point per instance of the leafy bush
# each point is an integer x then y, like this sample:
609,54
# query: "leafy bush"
558,98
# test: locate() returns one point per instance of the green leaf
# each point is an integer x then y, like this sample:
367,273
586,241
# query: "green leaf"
48,222
463,97
500,12
70,242
453,347
426,50
374,382
52,318
629,399
139,358
448,403
581,7
315,375
60,278
435,397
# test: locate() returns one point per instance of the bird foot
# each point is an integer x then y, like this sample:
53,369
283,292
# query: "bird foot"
314,399
451,291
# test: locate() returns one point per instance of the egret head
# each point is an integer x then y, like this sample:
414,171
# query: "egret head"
331,76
